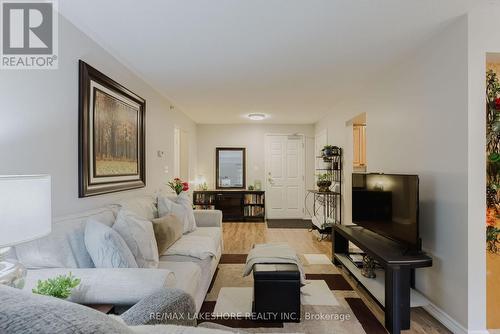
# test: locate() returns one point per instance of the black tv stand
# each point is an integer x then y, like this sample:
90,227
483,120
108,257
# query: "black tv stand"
399,269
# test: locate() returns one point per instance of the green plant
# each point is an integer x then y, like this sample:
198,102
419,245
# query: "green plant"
59,287
493,161
329,151
324,177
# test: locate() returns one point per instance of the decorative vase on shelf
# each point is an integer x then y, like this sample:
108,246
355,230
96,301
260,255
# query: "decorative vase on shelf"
324,186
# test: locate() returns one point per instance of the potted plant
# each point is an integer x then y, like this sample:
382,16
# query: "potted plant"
59,287
324,182
329,151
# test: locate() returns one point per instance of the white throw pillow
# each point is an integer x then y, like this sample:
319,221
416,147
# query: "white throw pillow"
181,207
142,206
106,247
64,247
139,235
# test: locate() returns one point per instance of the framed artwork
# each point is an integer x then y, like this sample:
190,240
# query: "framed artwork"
111,135
230,168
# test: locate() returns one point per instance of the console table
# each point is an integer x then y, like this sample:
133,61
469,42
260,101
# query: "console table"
399,269
236,205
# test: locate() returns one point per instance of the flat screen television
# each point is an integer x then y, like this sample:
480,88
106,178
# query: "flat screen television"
387,204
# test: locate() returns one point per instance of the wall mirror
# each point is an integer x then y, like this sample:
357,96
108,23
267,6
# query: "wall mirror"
230,171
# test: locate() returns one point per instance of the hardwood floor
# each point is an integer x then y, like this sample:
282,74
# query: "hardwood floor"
239,238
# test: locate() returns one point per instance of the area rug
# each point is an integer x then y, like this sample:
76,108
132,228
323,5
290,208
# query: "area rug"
289,223
329,303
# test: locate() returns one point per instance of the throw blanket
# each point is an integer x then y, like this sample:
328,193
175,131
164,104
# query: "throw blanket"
272,254
197,246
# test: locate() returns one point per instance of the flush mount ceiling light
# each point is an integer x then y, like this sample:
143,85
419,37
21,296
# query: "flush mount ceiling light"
257,117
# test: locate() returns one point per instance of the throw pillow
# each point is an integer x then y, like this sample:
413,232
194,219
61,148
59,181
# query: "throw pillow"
64,247
168,230
142,206
106,247
181,207
28,313
139,235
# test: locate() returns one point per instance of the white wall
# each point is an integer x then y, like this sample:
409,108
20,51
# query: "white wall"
250,136
417,123
39,122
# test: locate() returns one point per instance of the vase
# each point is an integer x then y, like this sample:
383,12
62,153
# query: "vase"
324,186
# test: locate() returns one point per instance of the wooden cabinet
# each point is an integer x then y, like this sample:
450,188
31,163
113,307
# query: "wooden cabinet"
359,145
236,206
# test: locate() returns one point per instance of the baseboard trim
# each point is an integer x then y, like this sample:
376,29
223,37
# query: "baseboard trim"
448,321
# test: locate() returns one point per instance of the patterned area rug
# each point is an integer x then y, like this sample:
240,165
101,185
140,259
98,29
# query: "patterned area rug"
329,303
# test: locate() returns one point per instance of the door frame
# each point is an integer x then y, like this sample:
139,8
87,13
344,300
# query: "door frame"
179,133
302,186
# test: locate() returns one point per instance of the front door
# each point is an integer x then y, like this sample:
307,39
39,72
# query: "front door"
284,176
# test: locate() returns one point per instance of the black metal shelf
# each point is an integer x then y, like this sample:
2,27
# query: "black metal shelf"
327,205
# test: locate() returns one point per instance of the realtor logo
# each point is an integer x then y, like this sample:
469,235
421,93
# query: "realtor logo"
29,35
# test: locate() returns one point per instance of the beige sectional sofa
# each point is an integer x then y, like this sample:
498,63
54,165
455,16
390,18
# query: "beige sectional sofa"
64,251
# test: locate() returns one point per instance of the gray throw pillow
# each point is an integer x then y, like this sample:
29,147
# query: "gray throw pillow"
106,247
27,313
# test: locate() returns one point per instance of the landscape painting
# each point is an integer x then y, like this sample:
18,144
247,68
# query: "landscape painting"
112,135
115,136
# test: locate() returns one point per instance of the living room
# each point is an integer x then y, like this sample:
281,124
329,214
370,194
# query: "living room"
265,166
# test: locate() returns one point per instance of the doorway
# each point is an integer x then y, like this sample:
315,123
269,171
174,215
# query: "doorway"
359,143
285,179
181,154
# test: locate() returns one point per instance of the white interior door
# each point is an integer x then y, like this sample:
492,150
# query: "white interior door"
284,176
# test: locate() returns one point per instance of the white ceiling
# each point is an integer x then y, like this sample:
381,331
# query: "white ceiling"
294,60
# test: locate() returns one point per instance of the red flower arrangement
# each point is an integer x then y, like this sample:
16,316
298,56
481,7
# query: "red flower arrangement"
178,185
497,103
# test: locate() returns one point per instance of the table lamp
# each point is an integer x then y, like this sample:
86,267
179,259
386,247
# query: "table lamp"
25,215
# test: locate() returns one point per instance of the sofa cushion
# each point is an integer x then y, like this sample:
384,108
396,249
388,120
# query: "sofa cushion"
106,247
143,206
64,246
188,275
24,312
139,235
213,232
118,286
180,206
168,229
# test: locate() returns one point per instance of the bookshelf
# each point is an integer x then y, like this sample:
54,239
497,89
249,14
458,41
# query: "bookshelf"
236,206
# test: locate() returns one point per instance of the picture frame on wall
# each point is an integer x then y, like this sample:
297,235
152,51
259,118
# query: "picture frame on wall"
112,134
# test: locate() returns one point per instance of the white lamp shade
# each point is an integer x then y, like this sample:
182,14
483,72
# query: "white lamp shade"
25,208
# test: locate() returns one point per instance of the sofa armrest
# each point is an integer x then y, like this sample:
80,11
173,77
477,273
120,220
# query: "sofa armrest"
117,286
166,306
208,218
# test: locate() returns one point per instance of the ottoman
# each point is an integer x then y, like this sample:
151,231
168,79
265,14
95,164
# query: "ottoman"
276,292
